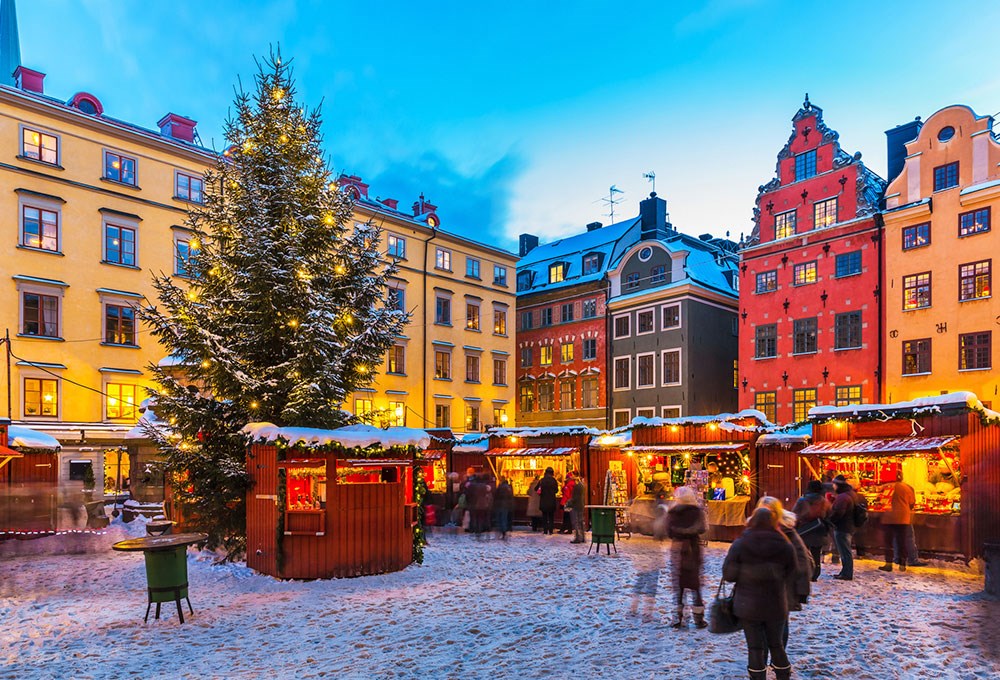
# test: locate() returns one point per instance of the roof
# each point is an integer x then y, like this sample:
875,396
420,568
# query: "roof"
724,420
536,452
352,436
667,448
553,431
920,406
21,437
876,447
706,264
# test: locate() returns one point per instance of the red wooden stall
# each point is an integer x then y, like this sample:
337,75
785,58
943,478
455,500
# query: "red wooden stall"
29,471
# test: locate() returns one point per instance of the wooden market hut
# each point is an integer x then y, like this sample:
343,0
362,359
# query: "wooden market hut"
777,466
29,479
332,503
613,475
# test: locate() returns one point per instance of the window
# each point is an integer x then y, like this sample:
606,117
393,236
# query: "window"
397,360
545,355
527,397
182,257
546,396
567,312
443,259
767,403
472,368
566,352
499,371
784,224
848,395
825,213
471,418
974,222
40,314
119,245
525,357
736,373
645,413
916,236
524,281
499,322
499,275
671,317
646,369
442,415
442,365
363,409
848,264
119,168
190,188
804,273
396,246
472,267
557,272
946,176
645,322
622,329
622,417
671,412
974,351
527,321
589,309
658,274
589,349
545,317
41,397
767,282
39,228
802,401
804,331
632,281
120,401
974,280
397,414
591,264
397,299
472,316
917,291
39,146
847,330
805,165
766,341
591,390
567,394
623,369
671,367
119,325
916,356
442,311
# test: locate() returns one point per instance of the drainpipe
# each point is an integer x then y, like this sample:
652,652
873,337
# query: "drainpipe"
426,380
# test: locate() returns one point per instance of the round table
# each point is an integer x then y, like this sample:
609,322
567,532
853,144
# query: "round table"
166,567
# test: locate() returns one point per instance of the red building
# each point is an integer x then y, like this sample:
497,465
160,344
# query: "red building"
810,303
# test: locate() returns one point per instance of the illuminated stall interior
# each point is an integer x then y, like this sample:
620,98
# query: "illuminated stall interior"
520,465
717,471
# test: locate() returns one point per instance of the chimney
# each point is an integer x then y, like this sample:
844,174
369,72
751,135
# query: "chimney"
653,218
526,243
391,202
594,226
28,80
422,207
896,140
178,127
360,189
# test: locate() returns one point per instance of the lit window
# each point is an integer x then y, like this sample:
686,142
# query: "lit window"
119,168
767,282
546,396
802,401
566,352
557,273
119,325
472,418
442,365
527,399
848,395
567,394
397,414
804,273
545,355
916,236
472,316
974,350
825,213
396,246
120,401
119,245
190,188
397,360
364,410
974,280
917,291
40,228
784,224
41,397
767,403
499,322
39,146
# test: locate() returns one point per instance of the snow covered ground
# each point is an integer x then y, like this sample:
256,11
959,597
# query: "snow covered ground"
528,607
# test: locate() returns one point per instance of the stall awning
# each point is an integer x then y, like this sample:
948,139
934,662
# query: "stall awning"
876,447
693,448
431,454
372,462
7,455
537,452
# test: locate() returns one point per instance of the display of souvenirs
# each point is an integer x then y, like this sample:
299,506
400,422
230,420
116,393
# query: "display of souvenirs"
305,488
935,479
520,471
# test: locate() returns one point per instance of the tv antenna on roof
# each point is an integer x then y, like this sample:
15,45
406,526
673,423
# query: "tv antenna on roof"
651,176
612,201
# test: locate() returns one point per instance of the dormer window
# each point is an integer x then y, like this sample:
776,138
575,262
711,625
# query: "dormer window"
632,281
557,272
87,103
524,281
591,264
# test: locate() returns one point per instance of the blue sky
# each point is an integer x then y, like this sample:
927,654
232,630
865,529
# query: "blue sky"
518,117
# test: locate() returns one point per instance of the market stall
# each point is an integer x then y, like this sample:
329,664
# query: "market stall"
778,468
31,501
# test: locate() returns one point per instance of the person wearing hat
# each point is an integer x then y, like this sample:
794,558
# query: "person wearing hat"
842,517
686,523
811,523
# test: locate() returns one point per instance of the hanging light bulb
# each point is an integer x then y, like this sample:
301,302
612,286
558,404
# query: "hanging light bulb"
293,323
329,220
362,369
206,363
254,404
194,243
278,94
339,269
283,139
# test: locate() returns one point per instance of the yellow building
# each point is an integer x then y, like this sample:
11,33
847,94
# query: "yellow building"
939,252
93,207
452,367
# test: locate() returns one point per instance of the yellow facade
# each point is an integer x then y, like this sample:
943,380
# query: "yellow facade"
940,242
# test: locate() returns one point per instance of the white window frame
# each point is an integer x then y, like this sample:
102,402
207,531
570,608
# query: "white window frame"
442,256
31,374
40,288
614,373
614,326
652,384
680,367
40,203
680,317
626,411
34,128
650,410
652,311
663,410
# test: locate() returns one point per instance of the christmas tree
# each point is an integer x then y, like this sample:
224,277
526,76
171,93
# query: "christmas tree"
282,312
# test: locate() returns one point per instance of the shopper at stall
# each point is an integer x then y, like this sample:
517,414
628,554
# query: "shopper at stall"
564,502
577,502
503,507
811,523
895,522
548,491
685,524
842,518
760,562
534,512
797,588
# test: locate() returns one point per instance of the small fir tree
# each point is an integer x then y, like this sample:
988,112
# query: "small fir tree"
282,313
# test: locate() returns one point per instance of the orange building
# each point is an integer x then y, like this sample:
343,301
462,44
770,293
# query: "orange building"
939,247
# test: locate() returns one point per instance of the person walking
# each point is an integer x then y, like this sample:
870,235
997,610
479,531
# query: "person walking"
534,496
685,524
548,489
799,585
564,503
811,524
503,504
577,502
760,562
842,517
895,523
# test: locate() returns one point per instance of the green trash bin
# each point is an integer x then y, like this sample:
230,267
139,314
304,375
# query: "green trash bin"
602,527
166,568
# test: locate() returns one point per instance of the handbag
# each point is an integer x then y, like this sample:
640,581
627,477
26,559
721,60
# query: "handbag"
721,617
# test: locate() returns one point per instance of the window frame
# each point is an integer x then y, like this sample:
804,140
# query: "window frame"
42,134
664,326
122,226
121,399
768,277
973,350
771,338
499,275
567,352
583,309
473,268
912,282
591,264
948,174
189,177
651,312
563,393
442,415
628,326
473,315
40,319
395,246
851,257
962,233
615,422
594,382
549,395
473,417
442,364
557,272
918,352
849,330
663,367
848,399
106,305
545,317
829,218
566,312
589,342
805,268
473,367
769,408
42,207
526,389
658,274
803,403
395,363
639,359
807,168
627,385
799,328
786,224
974,277
545,355
442,310
442,259
526,353
41,379
631,281
500,371
499,321
914,230
122,158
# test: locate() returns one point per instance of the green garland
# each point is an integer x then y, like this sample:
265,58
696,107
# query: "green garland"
373,451
882,415
419,533
282,492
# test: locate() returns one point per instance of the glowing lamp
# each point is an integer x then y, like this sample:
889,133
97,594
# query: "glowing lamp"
293,323
206,363
713,426
362,369
194,244
328,219
673,428
278,94
503,418
254,404
283,139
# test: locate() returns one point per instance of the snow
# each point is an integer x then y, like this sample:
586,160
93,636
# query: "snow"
920,406
472,444
147,420
20,437
723,420
528,607
172,360
786,437
352,436
555,431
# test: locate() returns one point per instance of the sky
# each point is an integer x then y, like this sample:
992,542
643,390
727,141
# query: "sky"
519,117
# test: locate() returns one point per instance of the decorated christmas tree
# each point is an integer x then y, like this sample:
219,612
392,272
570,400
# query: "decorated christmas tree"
282,312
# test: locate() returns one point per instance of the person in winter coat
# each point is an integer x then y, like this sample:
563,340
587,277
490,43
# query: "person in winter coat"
798,587
548,490
685,524
842,518
503,507
760,562
811,524
534,512
896,523
564,503
576,503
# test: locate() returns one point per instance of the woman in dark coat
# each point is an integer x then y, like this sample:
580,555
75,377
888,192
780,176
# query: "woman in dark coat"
548,490
798,587
685,524
503,504
760,562
811,523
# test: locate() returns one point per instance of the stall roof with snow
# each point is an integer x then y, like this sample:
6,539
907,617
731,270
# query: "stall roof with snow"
349,437
905,409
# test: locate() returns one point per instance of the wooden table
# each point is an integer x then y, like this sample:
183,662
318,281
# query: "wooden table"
166,567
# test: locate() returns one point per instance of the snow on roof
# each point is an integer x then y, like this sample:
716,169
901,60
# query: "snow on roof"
877,446
726,446
535,452
147,420
801,434
351,436
920,406
20,437
723,420
543,431
707,264
472,443
616,440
